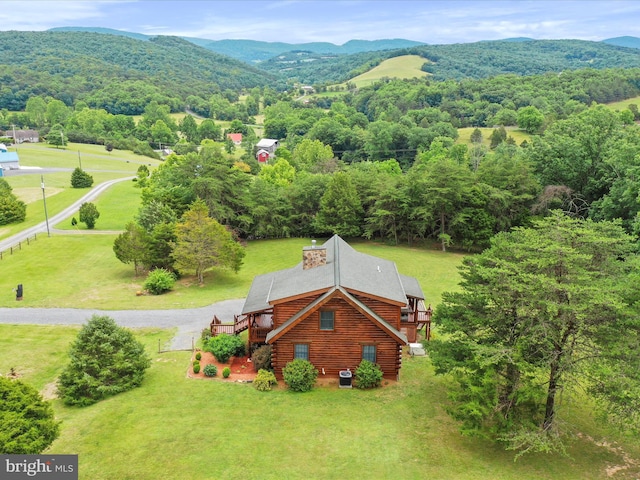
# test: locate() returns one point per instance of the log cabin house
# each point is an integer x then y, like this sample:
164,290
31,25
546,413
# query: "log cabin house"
335,308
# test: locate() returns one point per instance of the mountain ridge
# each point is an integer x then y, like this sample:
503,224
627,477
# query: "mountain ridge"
255,51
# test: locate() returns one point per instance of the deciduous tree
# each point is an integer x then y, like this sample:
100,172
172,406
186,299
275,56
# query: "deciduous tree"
89,214
202,243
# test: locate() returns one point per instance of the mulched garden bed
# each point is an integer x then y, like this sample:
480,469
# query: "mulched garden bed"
241,368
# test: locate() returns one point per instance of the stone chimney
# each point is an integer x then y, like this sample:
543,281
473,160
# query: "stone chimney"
313,256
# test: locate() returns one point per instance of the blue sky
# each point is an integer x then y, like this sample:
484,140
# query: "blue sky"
299,21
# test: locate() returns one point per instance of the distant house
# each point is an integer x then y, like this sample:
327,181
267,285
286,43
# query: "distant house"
269,145
335,308
262,156
236,138
23,136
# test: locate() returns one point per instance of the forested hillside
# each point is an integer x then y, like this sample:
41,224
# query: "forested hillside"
484,59
254,51
464,60
117,73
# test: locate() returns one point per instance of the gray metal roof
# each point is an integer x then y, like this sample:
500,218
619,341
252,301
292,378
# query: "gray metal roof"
345,267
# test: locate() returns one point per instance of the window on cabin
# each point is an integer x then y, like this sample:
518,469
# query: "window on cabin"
326,319
301,350
369,353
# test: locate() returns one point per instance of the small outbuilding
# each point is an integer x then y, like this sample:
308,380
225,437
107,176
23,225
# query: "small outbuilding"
262,156
236,138
8,160
268,144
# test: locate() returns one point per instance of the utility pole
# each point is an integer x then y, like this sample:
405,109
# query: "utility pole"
79,160
44,200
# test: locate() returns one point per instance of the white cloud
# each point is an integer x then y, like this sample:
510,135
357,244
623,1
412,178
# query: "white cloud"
298,21
41,15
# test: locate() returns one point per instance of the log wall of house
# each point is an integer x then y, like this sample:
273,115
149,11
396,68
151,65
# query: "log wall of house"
340,348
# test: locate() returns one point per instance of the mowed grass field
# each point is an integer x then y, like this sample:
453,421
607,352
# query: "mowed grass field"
174,427
405,66
39,158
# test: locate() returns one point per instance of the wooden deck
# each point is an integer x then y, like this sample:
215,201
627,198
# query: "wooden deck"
413,321
239,325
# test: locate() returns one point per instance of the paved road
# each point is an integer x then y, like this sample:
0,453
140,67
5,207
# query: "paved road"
189,322
57,218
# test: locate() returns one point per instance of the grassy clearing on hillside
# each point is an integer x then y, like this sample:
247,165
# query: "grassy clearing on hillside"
82,271
405,66
624,104
464,135
173,427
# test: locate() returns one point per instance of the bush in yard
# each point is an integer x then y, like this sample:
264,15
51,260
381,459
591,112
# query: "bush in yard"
368,375
224,346
28,424
159,281
105,360
198,356
210,370
196,367
89,214
300,375
81,179
264,380
226,371
205,336
261,358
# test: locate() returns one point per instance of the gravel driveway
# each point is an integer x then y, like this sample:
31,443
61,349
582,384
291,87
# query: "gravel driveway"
189,322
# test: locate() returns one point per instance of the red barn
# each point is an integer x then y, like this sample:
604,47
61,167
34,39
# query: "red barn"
262,156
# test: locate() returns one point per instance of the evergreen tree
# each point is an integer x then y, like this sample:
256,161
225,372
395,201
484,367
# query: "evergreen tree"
105,360
27,422
340,208
131,246
81,179
543,310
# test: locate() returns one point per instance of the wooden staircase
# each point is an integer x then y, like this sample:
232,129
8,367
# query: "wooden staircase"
240,324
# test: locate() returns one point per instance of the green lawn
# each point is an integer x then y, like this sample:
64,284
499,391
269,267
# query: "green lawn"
173,427
82,271
101,164
117,206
